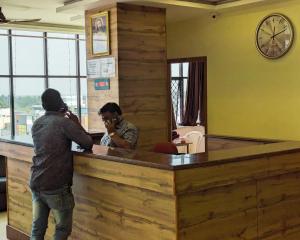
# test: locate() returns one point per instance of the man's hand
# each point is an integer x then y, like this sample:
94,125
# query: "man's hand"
110,126
72,117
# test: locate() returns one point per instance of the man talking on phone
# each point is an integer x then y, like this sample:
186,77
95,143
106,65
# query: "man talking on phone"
120,133
52,168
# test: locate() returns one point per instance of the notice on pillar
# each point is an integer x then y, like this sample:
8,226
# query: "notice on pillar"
102,84
101,68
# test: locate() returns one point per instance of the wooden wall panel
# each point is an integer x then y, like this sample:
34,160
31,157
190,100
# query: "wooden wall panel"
97,99
142,64
141,87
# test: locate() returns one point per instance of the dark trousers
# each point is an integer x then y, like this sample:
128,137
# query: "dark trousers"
61,204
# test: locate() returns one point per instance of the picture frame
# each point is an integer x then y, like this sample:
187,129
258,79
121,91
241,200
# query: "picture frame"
99,34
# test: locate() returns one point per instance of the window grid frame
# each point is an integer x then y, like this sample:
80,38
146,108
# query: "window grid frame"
46,75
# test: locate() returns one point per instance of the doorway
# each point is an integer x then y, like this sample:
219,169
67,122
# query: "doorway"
188,94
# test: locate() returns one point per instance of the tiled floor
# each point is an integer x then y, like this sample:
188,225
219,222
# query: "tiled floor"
3,222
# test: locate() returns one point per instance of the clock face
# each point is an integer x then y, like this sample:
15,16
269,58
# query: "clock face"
274,36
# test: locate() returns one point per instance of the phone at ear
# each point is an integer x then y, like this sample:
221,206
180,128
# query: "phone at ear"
115,117
64,108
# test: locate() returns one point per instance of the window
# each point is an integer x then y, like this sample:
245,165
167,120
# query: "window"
62,57
5,118
83,102
68,90
22,48
179,77
27,100
4,66
53,62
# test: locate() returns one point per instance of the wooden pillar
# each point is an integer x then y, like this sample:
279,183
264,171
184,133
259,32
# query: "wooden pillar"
141,87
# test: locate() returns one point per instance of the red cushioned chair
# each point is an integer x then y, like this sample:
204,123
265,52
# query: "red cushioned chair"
165,147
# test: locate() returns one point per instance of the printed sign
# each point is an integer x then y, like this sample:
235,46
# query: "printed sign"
102,84
101,68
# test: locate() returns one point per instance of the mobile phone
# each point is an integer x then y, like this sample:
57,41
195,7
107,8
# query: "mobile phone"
116,118
64,108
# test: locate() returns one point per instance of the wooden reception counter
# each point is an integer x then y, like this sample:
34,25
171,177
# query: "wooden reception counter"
250,192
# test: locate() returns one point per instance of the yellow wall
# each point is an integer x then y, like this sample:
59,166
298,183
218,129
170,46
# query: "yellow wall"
248,95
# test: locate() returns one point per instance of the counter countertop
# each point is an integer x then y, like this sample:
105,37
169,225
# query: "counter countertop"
175,162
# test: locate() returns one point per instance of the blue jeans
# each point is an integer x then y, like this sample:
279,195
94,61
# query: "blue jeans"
61,203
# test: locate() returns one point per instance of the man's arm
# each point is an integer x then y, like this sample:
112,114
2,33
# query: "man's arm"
120,142
75,132
128,140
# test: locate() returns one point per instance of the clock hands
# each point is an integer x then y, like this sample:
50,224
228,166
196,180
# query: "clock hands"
265,31
279,33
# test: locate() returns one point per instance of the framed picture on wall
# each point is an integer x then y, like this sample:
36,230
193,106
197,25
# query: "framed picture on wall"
99,32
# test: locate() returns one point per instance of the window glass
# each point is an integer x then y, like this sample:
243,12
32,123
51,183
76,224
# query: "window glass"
5,124
175,69
26,33
82,36
67,89
28,106
4,66
185,69
179,79
28,56
84,102
82,57
3,31
61,57
61,35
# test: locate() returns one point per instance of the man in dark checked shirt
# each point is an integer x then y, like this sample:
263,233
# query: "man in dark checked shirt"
52,168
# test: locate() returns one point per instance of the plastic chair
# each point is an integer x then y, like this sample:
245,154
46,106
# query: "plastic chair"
165,147
195,138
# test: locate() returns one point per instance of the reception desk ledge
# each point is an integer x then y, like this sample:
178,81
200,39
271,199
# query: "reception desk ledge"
250,192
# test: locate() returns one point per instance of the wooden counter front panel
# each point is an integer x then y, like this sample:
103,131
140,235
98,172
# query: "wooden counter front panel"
215,144
227,212
19,197
198,179
108,210
16,151
104,209
260,202
279,207
142,177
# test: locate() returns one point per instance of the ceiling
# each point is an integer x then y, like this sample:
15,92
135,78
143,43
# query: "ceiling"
212,2
71,12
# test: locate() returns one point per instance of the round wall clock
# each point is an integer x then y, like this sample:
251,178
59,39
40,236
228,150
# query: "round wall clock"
274,36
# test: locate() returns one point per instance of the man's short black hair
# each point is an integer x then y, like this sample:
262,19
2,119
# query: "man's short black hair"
51,100
110,107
